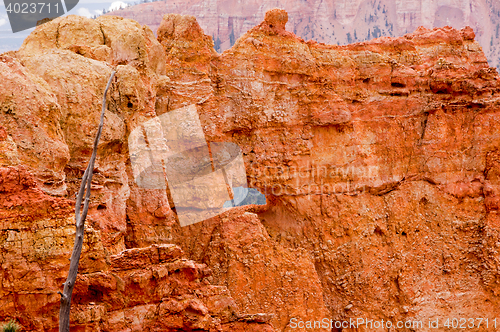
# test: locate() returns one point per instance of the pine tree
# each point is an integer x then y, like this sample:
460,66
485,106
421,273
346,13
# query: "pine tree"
231,37
217,43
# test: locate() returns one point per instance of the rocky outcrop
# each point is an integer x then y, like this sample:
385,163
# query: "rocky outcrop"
375,167
154,288
31,130
379,161
340,22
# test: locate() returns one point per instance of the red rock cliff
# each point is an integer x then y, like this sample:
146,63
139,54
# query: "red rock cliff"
379,160
332,22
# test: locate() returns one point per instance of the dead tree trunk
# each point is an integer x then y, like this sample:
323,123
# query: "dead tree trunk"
80,225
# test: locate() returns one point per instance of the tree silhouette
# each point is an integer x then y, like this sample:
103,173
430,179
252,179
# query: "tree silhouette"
232,39
80,225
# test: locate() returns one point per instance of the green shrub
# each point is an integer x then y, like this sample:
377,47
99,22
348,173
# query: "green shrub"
11,326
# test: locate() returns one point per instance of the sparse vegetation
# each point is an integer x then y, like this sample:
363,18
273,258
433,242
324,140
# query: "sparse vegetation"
232,39
217,43
349,38
376,32
11,326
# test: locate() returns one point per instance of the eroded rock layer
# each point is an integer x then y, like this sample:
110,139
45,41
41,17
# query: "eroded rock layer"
331,22
379,161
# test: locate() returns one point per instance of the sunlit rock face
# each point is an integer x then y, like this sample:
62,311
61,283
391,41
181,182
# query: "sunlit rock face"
332,22
379,161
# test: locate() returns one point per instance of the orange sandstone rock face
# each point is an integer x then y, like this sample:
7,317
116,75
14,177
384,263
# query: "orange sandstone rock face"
334,22
379,161
154,288
31,132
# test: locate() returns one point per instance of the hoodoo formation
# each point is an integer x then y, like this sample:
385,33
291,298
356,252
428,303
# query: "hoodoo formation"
331,22
380,162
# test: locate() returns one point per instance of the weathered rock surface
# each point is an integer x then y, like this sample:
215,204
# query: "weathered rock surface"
334,22
31,131
154,288
379,161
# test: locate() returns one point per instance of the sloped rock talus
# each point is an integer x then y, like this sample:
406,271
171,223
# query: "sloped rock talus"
379,161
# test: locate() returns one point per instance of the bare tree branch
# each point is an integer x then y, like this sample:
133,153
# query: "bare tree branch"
80,225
